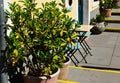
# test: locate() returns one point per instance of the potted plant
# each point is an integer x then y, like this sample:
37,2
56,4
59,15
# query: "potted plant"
64,70
38,39
98,24
116,2
106,7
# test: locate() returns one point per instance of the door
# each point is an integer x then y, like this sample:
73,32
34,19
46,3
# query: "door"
80,11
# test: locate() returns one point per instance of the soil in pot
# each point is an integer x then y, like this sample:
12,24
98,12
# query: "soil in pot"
116,2
106,12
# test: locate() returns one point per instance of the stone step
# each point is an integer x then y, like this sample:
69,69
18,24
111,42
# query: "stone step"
112,20
113,27
115,11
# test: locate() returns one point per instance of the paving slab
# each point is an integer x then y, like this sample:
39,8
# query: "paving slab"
118,40
106,39
104,47
101,57
92,76
107,46
115,62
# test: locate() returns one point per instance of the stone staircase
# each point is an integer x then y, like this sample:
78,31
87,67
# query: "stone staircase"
113,21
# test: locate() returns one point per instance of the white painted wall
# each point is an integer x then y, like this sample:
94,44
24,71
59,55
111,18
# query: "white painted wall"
77,10
6,4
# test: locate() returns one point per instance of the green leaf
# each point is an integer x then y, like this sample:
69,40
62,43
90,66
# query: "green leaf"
15,52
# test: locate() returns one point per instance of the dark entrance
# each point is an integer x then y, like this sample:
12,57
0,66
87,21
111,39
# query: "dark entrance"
80,11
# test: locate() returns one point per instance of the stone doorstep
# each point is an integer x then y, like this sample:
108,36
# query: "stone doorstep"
113,20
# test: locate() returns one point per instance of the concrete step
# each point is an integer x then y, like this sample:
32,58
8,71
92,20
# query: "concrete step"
112,19
113,27
115,11
115,16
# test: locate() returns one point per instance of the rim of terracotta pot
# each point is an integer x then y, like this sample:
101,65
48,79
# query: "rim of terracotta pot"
67,62
43,77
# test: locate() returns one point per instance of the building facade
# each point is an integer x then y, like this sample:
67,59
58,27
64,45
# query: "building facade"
81,10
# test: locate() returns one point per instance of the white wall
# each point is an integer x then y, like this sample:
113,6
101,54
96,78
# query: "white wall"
6,4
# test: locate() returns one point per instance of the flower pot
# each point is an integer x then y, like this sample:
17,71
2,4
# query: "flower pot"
64,70
42,79
116,2
106,12
98,28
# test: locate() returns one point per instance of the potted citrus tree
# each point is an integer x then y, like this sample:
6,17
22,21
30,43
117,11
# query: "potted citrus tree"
106,7
38,39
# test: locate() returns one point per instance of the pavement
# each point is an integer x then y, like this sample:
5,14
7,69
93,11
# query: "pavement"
104,65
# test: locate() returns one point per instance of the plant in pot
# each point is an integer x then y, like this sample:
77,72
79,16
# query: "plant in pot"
106,7
38,39
98,24
116,2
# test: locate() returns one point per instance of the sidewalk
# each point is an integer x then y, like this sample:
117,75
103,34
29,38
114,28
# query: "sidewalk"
104,65
105,47
106,57
105,50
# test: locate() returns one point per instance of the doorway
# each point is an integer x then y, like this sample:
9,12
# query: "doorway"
80,11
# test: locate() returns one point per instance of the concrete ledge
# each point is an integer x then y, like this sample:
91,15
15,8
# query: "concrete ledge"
116,13
113,20
113,29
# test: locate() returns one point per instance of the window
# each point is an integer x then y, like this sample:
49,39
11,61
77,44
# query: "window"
95,2
69,4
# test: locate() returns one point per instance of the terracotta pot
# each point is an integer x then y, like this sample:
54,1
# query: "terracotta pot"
106,12
116,2
98,28
42,79
64,70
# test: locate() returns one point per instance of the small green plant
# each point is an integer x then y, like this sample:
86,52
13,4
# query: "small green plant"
107,4
38,37
98,19
98,24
